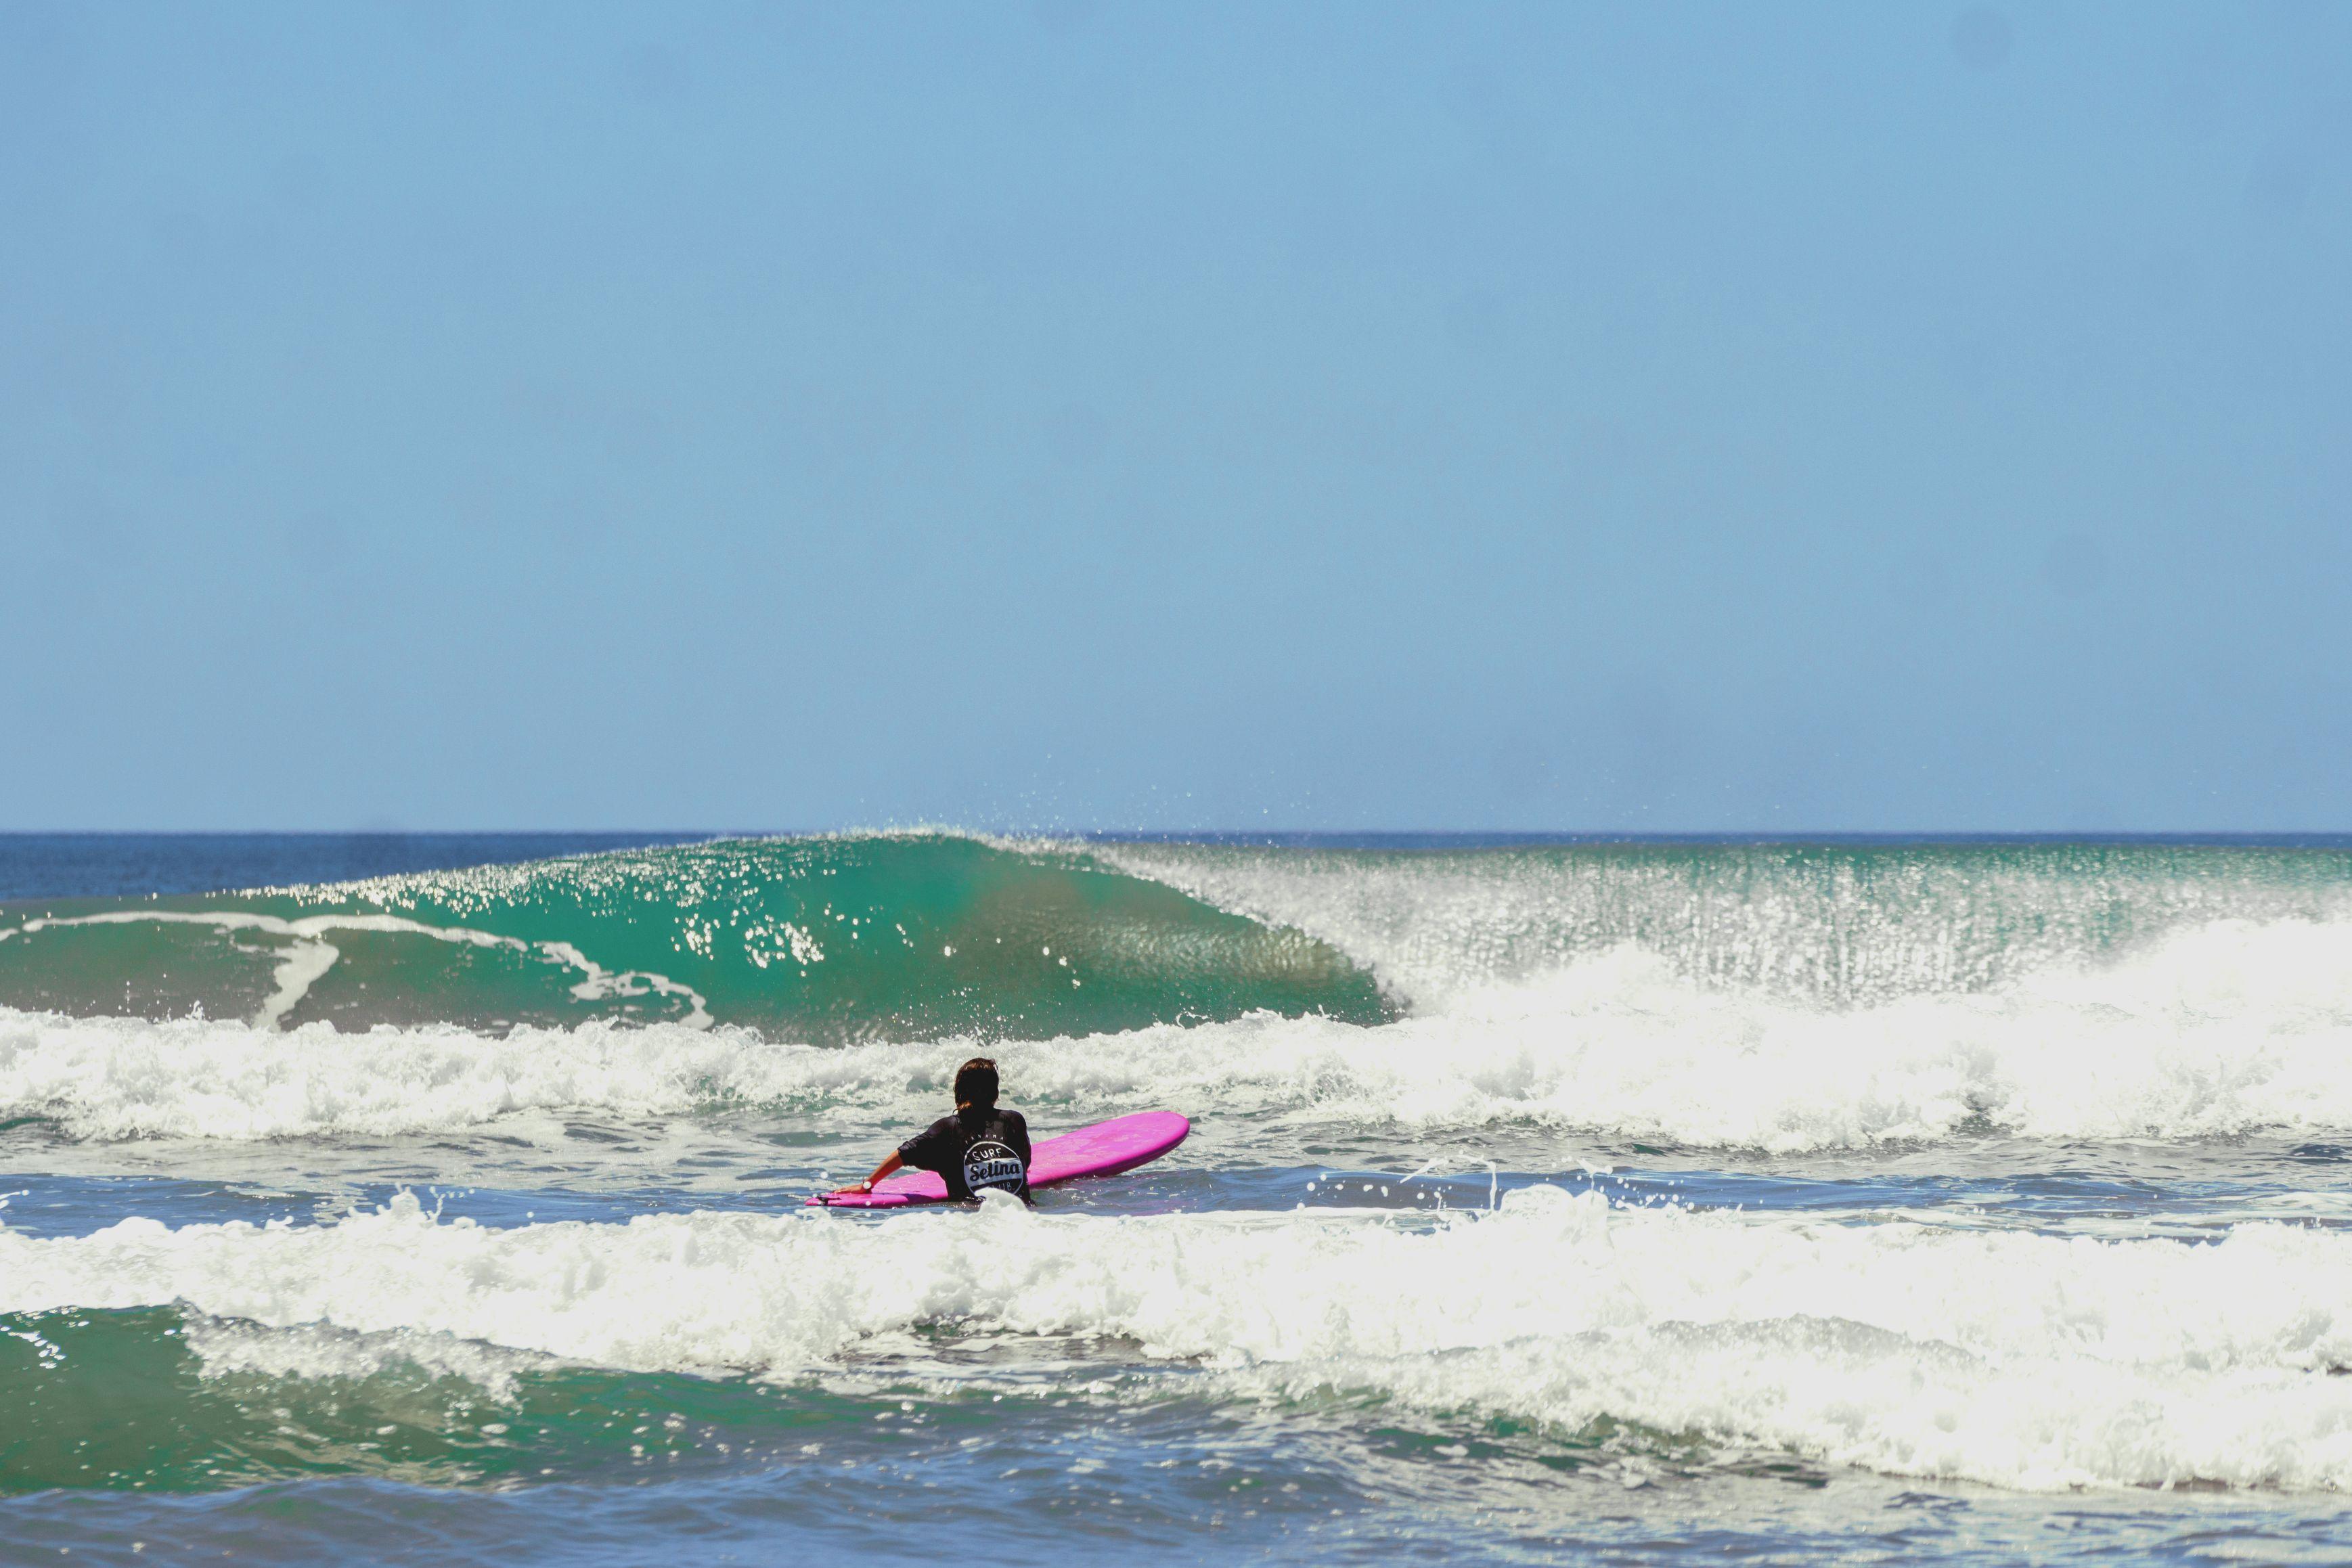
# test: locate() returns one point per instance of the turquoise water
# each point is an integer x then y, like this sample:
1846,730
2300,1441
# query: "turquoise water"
828,940
1646,1201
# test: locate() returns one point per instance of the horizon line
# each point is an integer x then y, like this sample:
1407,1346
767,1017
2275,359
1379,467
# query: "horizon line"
1269,836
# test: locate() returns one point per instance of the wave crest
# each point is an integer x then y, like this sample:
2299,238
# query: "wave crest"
830,940
2231,1028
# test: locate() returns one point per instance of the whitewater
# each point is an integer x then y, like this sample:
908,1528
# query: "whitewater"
1664,1199
2233,1028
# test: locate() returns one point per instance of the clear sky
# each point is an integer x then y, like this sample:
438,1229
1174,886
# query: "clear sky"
1647,416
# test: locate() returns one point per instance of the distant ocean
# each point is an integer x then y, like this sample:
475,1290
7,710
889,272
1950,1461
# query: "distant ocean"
438,1198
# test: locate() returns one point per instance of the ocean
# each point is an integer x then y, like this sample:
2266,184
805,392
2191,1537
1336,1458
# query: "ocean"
441,1199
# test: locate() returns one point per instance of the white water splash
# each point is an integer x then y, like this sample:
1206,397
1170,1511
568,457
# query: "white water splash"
2225,1031
2017,1360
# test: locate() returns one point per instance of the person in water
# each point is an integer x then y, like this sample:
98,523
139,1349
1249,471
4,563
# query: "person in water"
979,1149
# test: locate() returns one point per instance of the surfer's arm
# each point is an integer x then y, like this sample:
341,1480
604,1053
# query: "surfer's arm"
890,1161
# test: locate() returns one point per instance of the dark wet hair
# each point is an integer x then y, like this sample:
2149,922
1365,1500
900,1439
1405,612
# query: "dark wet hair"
976,1082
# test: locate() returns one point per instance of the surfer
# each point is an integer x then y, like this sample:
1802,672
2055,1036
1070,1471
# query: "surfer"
979,1149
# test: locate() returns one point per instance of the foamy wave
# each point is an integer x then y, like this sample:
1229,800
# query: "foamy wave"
196,1078
2230,1028
1844,924
237,1346
2008,1358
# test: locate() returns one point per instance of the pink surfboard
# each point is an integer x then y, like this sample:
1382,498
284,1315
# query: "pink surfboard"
1104,1149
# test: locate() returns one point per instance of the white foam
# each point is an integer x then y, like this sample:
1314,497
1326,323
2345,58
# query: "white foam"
2226,1030
1439,926
233,1347
2223,1029
2009,1358
197,1078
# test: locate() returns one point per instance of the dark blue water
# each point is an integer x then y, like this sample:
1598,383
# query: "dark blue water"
124,865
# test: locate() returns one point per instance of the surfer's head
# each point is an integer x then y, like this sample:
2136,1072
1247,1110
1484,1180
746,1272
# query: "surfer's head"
976,1083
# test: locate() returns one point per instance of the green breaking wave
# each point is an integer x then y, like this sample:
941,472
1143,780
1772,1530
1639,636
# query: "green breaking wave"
821,939
125,1400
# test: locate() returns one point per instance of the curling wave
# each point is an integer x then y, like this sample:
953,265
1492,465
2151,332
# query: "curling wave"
888,936
2230,1028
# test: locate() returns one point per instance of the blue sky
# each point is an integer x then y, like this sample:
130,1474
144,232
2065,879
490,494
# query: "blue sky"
1645,417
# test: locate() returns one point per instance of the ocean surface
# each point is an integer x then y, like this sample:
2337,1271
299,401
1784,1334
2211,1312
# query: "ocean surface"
440,1200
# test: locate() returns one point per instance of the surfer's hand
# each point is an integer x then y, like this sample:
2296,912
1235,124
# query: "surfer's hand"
890,1162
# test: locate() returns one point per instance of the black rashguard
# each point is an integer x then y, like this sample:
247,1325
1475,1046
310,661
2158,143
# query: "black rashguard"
976,1149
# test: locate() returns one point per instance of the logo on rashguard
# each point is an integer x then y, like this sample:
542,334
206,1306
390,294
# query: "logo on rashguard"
989,1164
